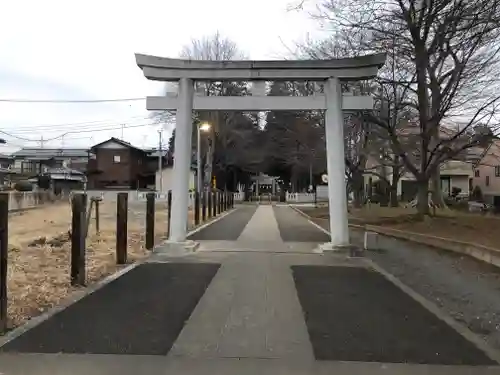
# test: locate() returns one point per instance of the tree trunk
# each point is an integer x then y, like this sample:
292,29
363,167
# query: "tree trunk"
394,195
358,189
209,165
384,193
437,192
394,183
295,188
423,198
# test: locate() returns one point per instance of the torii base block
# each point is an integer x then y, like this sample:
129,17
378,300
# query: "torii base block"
172,248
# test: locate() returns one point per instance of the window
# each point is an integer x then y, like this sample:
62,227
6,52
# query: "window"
116,158
487,180
497,171
476,173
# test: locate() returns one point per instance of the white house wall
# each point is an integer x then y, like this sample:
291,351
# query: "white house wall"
459,181
167,179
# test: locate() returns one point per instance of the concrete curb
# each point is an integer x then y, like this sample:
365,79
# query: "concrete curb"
476,340
309,219
77,295
483,253
168,249
465,332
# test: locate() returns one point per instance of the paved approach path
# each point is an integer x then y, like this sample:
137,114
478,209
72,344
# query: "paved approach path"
250,319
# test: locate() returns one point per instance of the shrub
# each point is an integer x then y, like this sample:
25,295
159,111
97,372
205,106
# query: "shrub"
455,191
477,194
24,186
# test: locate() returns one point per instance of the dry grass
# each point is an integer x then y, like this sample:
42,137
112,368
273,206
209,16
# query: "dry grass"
38,276
460,226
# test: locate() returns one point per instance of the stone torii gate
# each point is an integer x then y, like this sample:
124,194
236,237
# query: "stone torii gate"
332,72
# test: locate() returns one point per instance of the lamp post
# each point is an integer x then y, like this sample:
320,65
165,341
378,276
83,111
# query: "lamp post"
203,127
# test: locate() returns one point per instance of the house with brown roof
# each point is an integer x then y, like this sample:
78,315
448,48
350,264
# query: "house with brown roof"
116,164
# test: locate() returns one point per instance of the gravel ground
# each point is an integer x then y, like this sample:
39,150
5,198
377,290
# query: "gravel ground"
466,289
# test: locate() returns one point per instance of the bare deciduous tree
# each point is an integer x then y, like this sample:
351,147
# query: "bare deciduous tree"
445,60
224,131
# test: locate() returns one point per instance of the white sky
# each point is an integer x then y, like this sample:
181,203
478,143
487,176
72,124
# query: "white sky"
81,50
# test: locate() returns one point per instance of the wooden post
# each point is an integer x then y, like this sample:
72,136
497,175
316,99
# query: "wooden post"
219,202
197,208
209,202
78,223
217,206
204,207
88,215
4,248
121,228
214,197
97,219
169,211
150,220
221,197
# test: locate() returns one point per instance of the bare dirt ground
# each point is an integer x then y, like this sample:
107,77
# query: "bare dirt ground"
39,253
461,226
463,287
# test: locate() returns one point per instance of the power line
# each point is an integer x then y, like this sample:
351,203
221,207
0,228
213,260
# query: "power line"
96,122
75,132
85,125
70,101
62,129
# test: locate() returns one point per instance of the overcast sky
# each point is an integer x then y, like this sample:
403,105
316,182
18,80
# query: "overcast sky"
84,50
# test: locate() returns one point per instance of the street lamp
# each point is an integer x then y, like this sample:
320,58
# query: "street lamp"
205,127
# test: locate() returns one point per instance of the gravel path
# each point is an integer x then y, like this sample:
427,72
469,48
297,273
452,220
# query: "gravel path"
466,289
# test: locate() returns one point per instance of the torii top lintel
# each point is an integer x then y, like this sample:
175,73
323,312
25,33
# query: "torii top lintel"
348,69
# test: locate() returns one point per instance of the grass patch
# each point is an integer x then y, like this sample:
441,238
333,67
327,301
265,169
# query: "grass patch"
457,225
39,253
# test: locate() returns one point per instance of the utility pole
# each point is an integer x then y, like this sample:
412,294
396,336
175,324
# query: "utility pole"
41,141
160,158
123,126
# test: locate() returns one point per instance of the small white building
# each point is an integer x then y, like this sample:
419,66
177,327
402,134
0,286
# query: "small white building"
166,177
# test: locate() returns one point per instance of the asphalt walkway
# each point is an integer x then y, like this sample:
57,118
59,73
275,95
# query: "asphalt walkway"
266,304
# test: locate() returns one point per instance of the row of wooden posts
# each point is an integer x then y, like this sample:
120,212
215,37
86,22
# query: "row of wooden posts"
207,205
